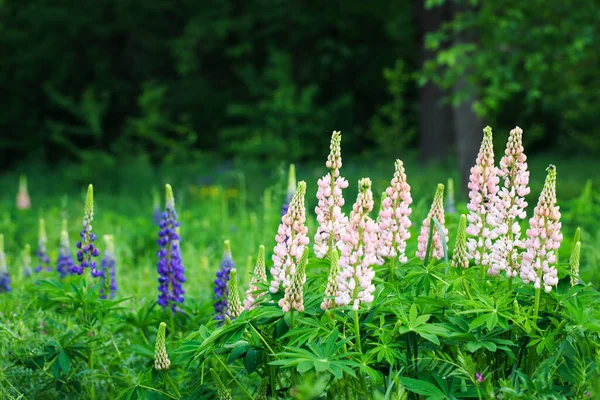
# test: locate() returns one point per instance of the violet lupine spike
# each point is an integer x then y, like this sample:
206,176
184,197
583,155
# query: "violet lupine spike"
171,272
543,238
86,250
294,294
331,220
394,217
509,208
291,188
64,264
42,254
221,288
437,211
359,252
108,266
253,294
23,199
483,185
4,275
27,270
234,304
460,257
332,283
291,239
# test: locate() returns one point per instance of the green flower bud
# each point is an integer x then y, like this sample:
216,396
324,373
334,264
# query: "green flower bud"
233,299
222,392
161,358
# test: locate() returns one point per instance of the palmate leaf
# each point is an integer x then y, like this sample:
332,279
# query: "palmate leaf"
424,388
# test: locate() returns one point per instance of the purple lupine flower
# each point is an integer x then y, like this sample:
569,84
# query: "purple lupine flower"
64,264
42,255
291,189
4,276
221,289
171,272
87,252
107,265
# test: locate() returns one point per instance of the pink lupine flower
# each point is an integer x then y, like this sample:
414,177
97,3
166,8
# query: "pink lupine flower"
329,209
459,256
332,283
291,239
23,199
483,185
359,252
294,293
259,276
543,238
394,217
509,207
437,211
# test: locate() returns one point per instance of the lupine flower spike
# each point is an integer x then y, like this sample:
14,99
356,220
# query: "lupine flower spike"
42,254
359,252
161,358
27,270
108,264
509,208
460,257
483,185
291,188
450,202
4,276
260,276
171,272
222,392
291,239
86,251
294,294
233,297
331,220
543,238
332,283
65,263
394,217
574,263
437,211
23,199
221,288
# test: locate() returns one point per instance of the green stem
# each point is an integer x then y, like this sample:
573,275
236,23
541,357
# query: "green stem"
172,384
357,331
393,271
510,284
536,306
292,318
91,364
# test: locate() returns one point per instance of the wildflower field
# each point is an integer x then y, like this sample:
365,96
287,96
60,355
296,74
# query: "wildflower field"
382,282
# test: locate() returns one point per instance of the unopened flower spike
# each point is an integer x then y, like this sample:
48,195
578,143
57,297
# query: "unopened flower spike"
332,221
437,211
574,263
42,254
291,189
108,265
233,298
221,283
543,238
261,392
27,270
161,358
450,202
358,252
483,185
291,240
23,199
222,392
86,250
171,272
394,220
332,284
4,276
64,264
509,208
294,294
260,276
460,256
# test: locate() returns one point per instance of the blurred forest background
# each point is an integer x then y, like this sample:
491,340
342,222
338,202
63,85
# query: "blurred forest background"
268,80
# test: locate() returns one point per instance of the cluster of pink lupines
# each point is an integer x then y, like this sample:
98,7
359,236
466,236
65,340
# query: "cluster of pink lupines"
358,252
331,220
509,208
291,239
483,185
294,293
543,238
394,217
437,212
